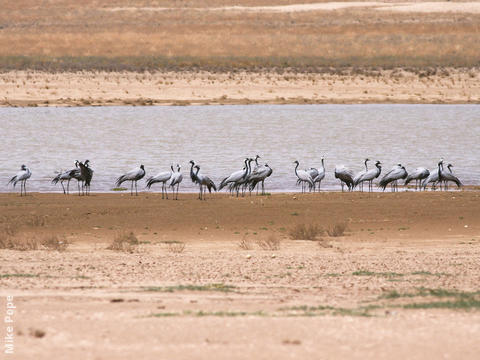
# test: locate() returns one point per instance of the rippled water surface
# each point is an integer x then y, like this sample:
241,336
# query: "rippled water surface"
117,139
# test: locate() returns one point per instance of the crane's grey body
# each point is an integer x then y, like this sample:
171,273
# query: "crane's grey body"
320,175
432,178
203,180
22,176
86,174
419,174
66,176
369,176
447,176
161,177
303,177
345,175
176,179
360,174
235,178
258,176
398,172
133,176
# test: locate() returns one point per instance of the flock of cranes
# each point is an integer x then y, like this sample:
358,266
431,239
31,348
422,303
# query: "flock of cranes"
251,176
309,178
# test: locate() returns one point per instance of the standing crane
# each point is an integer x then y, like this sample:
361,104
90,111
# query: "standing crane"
22,176
133,176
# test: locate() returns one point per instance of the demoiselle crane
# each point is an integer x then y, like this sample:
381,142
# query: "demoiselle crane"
369,176
161,177
133,176
203,180
419,174
345,175
303,177
398,172
22,176
177,178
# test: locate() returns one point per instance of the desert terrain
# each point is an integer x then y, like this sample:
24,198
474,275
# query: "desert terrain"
70,53
111,275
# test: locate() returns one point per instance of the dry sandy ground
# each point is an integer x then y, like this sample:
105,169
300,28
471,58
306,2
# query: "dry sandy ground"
402,282
29,88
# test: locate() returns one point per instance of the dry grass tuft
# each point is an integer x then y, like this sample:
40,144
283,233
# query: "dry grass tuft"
124,242
270,243
245,244
337,230
303,232
36,221
20,244
176,247
54,242
38,333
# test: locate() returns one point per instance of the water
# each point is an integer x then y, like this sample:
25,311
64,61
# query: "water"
117,139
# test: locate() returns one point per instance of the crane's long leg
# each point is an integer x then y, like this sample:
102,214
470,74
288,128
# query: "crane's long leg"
68,186
136,191
25,187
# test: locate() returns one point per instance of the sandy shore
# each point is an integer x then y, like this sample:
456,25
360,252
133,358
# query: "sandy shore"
29,88
399,282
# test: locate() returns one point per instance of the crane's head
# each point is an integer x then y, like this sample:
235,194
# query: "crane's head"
142,167
296,162
23,167
192,162
257,157
86,162
76,163
378,163
367,159
178,167
197,167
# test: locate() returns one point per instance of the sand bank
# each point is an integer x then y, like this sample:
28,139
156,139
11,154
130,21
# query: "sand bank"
31,88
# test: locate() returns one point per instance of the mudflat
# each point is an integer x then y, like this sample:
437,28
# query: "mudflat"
384,275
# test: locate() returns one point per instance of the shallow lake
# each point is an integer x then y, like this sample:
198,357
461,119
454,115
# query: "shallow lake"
218,138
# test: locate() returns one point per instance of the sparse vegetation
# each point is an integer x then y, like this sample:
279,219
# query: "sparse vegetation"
272,242
209,287
176,247
337,230
127,242
371,273
18,243
245,244
304,232
17,275
54,242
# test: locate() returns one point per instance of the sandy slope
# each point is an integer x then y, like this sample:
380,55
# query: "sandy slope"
94,303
